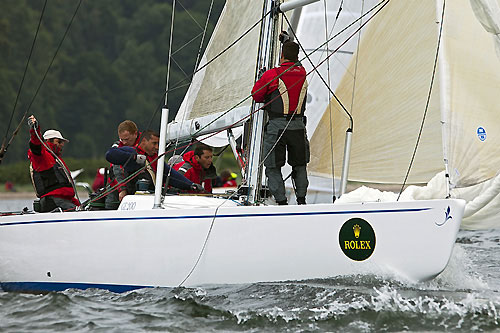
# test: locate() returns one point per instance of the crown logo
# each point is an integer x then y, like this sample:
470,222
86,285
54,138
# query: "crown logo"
357,230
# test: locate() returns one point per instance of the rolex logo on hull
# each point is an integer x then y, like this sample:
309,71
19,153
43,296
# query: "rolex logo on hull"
357,239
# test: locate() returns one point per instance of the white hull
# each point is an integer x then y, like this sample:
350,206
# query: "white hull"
123,250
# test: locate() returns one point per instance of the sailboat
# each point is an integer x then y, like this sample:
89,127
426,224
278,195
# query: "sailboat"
172,240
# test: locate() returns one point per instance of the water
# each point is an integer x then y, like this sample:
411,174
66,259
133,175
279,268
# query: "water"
15,205
464,298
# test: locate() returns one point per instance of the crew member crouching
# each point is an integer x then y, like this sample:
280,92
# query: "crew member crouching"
144,156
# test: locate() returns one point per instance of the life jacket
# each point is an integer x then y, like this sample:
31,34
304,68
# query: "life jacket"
287,92
148,173
111,175
49,180
193,171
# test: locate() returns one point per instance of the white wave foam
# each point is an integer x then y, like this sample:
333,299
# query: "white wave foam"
460,273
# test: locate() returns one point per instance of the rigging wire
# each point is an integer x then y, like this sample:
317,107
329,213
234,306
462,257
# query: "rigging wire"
264,46
381,4
3,149
43,78
330,115
197,62
357,58
126,180
260,164
170,50
181,82
168,73
427,102
315,69
191,16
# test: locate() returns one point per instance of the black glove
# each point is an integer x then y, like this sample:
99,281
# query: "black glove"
261,72
197,187
32,124
284,37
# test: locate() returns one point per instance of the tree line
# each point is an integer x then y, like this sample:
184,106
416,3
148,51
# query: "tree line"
111,66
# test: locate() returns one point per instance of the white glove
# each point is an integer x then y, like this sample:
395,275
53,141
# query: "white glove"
140,159
32,123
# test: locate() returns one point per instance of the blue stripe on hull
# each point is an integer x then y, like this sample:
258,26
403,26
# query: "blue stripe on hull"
45,287
378,211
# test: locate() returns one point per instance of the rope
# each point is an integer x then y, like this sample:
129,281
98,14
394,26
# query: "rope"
43,79
427,103
3,149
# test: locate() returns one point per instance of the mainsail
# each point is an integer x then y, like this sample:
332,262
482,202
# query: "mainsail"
227,81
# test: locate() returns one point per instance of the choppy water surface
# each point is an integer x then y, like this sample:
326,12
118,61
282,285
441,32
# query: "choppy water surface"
465,297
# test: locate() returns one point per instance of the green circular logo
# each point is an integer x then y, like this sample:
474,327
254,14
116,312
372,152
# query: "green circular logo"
357,239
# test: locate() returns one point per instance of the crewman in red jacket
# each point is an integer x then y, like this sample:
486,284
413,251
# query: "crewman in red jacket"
283,90
146,154
129,136
197,166
50,176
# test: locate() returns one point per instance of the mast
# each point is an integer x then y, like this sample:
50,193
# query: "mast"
266,59
267,45
163,125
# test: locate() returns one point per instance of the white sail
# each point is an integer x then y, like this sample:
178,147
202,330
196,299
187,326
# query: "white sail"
317,23
474,78
227,81
387,101
389,94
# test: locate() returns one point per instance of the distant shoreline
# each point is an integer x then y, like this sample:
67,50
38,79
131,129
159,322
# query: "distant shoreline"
17,195
30,195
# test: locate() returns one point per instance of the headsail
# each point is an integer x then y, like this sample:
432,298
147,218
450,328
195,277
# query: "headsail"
474,81
394,71
387,100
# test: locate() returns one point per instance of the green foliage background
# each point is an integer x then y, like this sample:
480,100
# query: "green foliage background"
112,66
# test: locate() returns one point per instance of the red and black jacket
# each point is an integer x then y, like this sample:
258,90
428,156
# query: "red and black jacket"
283,89
113,178
193,171
47,175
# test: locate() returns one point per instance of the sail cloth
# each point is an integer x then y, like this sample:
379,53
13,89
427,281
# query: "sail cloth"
488,13
311,33
394,70
387,100
229,79
474,81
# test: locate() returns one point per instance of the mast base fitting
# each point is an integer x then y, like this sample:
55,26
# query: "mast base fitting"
264,191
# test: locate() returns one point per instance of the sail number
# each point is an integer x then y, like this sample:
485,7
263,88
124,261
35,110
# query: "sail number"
128,205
